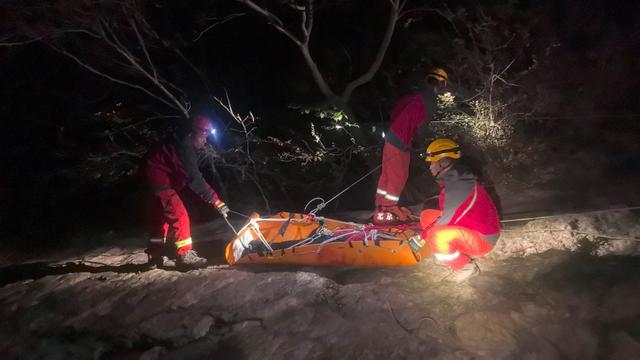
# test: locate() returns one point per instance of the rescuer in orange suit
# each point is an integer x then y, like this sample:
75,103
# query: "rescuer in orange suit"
467,224
169,169
409,117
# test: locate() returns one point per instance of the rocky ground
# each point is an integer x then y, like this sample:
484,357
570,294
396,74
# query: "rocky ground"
555,288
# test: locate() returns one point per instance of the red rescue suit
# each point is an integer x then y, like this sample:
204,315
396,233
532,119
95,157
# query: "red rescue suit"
410,116
467,224
168,169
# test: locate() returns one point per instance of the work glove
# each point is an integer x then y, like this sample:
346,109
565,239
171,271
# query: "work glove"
222,208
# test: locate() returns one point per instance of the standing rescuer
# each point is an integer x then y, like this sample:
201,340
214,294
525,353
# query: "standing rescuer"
169,169
467,224
409,117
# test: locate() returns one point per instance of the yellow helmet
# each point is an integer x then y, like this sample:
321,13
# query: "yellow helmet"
438,74
442,148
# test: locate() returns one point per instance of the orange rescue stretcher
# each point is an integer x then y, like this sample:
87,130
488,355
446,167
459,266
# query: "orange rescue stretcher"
293,238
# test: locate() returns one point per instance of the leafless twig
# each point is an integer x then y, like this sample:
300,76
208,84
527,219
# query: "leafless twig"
302,42
216,23
247,123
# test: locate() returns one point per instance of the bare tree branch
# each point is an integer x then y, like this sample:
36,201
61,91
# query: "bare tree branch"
317,75
349,60
216,23
131,126
307,19
396,9
124,51
306,24
109,77
97,26
107,32
422,9
273,20
247,123
303,45
144,48
98,158
4,43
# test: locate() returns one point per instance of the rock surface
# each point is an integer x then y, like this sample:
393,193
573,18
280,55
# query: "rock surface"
601,233
551,304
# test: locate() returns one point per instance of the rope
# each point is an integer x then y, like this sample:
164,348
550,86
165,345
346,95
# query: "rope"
575,213
241,214
231,226
577,232
264,241
372,232
312,200
323,203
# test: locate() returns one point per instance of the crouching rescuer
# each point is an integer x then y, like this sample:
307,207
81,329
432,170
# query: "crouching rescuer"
170,169
467,225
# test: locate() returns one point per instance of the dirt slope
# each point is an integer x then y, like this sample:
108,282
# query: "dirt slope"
551,304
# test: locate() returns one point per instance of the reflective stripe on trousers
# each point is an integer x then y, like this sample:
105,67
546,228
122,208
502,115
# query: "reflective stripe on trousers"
447,257
454,245
171,223
387,196
183,243
395,171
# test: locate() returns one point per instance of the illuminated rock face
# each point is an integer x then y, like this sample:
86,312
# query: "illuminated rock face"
604,233
556,304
